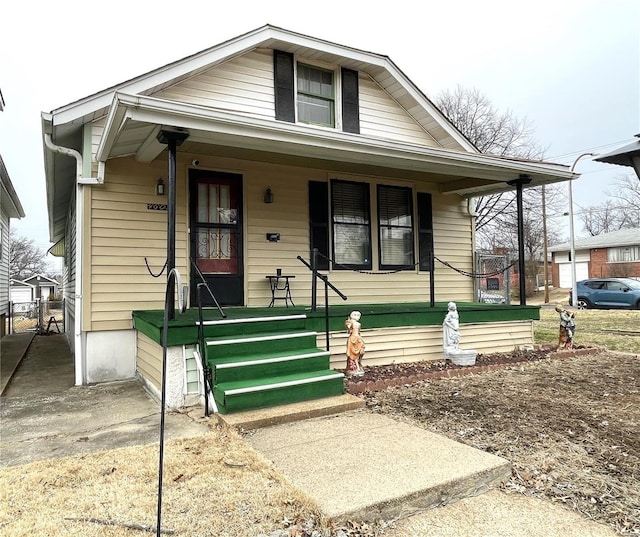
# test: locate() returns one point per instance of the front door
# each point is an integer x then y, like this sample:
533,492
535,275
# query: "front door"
215,235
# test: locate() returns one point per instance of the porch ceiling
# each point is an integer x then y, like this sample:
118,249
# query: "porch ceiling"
134,122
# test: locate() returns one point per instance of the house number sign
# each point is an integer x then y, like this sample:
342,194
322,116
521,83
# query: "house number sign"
156,206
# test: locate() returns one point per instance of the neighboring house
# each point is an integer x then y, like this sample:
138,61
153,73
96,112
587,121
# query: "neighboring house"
21,292
615,254
36,286
10,207
242,157
627,155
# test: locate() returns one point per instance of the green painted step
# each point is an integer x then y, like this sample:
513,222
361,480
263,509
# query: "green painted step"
254,325
267,365
222,348
246,395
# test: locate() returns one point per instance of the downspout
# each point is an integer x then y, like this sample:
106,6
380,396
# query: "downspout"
80,181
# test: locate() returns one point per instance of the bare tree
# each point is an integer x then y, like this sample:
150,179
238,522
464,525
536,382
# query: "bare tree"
25,258
621,212
493,132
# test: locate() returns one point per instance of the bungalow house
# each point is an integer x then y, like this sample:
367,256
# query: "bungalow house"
250,168
615,254
10,207
32,288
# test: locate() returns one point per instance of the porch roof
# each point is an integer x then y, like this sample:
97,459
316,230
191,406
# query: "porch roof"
134,122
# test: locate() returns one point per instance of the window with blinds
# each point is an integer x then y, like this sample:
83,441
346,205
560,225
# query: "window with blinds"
351,222
395,227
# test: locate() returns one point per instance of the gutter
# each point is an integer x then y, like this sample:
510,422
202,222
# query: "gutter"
80,369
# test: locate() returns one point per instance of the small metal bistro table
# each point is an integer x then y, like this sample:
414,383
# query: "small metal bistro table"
280,289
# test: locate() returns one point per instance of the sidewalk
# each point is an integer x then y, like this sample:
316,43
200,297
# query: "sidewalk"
12,349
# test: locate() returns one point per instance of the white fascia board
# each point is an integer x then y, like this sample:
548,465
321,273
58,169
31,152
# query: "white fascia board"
114,125
208,125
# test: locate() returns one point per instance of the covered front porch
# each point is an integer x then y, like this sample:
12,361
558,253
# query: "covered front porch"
300,353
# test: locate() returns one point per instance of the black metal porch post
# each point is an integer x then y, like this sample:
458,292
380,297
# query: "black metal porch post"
522,180
173,138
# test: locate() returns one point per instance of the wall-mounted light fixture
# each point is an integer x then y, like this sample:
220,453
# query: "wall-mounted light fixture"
160,187
268,195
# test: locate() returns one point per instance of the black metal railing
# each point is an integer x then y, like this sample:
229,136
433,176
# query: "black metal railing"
313,267
208,376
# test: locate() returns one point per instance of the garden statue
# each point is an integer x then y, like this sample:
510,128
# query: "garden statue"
567,327
451,328
355,345
451,339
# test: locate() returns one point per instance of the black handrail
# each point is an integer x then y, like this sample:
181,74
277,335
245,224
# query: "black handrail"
327,284
222,313
207,375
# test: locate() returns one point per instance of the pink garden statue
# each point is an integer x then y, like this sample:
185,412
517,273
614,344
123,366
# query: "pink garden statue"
355,345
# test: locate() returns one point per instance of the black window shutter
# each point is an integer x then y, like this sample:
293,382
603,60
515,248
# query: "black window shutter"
319,221
425,231
350,101
283,86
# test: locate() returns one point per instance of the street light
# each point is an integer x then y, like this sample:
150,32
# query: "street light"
574,290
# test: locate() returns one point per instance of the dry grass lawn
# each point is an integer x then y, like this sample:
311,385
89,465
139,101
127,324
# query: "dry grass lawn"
615,330
213,485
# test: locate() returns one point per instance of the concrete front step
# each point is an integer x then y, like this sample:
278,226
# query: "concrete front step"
266,417
364,466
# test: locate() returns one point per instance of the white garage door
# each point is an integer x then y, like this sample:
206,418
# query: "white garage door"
582,273
20,294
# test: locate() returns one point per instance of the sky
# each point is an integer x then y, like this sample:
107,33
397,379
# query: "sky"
571,68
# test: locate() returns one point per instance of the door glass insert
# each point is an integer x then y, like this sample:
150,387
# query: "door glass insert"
217,227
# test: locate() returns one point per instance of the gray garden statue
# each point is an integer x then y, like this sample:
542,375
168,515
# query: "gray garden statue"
355,345
451,339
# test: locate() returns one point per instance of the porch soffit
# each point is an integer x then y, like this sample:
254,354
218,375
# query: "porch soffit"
134,121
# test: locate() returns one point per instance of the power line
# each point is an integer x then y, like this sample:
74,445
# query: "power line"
589,149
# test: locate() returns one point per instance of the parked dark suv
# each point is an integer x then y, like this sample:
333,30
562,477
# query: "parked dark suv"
608,293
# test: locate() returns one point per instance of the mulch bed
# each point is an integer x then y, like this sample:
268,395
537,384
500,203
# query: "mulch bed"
385,376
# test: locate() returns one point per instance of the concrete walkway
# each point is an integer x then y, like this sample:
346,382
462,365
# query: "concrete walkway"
12,349
44,416
364,466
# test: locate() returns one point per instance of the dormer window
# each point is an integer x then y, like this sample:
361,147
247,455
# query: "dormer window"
313,95
316,96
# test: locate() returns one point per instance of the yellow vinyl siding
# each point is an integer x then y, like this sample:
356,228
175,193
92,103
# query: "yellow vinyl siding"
424,343
243,84
124,232
382,117
149,359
